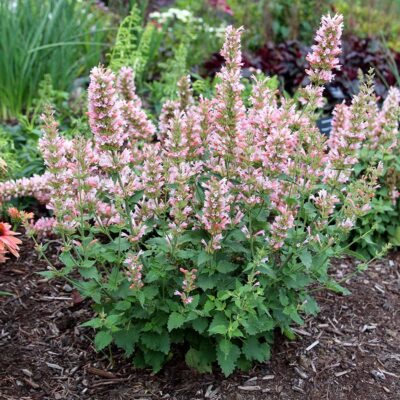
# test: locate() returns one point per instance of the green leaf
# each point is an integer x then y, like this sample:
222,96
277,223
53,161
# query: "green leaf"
219,325
310,306
155,359
226,266
206,282
306,258
204,258
156,342
102,339
335,287
298,281
126,339
254,350
48,274
227,355
284,300
194,359
200,324
289,333
175,320
186,254
123,305
114,279
89,273
91,289
293,314
67,260
93,323
87,264
159,243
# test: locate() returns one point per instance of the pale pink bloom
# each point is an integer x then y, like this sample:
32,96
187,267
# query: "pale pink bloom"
325,53
134,270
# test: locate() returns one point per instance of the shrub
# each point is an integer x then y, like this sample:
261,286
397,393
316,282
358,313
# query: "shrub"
218,233
379,144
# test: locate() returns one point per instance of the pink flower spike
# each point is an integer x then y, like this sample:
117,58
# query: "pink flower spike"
325,55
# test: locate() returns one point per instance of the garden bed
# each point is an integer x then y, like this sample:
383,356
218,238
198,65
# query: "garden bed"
351,350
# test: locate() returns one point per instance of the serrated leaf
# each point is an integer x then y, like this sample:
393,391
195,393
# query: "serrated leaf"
200,324
219,325
67,260
206,282
254,350
335,287
224,267
156,342
227,356
204,258
293,314
89,273
175,320
126,339
155,359
48,274
102,339
195,360
310,306
93,323
306,258
114,279
123,305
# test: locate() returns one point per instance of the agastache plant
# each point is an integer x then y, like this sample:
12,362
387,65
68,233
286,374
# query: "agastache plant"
213,235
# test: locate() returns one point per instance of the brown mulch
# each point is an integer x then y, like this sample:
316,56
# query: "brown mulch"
350,351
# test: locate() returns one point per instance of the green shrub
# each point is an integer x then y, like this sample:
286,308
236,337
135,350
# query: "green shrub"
216,235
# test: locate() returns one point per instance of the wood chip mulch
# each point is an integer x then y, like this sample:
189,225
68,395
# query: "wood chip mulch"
350,351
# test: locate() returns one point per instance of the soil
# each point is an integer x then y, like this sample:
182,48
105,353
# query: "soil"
350,351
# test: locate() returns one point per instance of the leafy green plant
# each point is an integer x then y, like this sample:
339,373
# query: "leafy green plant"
135,46
380,225
217,235
62,38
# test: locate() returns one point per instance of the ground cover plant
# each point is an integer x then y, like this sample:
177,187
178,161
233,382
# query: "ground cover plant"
219,232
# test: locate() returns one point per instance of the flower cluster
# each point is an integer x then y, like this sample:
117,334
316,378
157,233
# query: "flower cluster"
36,186
324,56
233,155
44,227
247,199
187,285
134,268
186,17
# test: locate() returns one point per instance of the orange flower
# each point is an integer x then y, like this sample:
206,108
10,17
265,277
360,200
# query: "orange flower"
25,216
17,215
13,213
7,240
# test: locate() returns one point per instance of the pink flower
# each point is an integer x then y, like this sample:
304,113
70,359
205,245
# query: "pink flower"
134,272
187,285
324,57
105,114
216,209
